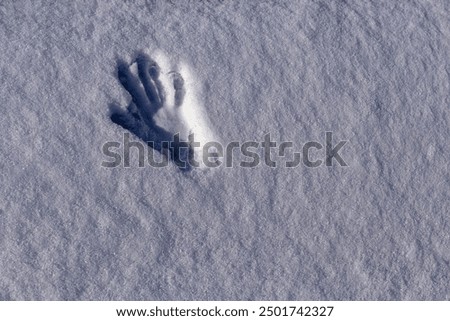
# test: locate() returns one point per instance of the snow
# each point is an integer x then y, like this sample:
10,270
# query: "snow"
375,73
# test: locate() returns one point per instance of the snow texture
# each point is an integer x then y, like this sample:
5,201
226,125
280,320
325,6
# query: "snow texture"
375,73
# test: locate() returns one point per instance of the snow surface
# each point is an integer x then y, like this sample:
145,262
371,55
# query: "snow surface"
375,73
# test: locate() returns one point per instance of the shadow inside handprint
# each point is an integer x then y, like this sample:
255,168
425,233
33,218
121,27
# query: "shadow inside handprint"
147,97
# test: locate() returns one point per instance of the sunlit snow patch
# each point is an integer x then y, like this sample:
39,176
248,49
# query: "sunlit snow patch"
189,117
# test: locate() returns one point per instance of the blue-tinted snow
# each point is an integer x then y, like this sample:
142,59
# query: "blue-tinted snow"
375,73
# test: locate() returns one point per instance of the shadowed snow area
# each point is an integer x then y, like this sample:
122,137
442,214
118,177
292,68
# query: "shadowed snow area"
78,74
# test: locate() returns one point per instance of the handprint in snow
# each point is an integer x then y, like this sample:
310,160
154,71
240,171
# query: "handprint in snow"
148,96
